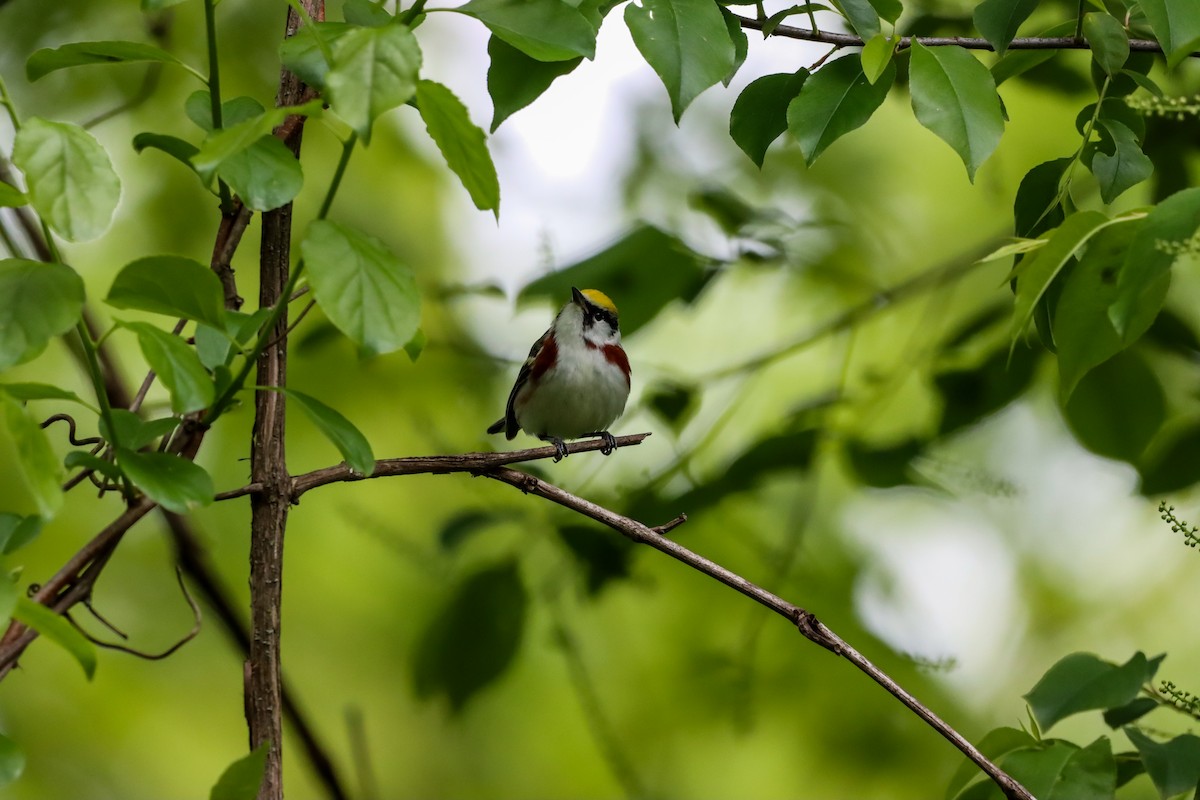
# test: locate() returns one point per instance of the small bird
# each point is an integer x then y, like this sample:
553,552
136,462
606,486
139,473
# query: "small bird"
576,379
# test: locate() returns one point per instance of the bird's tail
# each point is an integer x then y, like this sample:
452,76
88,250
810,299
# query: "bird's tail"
497,426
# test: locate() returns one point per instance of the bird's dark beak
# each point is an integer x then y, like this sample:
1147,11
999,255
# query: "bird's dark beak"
577,298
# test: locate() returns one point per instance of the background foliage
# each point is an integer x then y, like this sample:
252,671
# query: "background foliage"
954,460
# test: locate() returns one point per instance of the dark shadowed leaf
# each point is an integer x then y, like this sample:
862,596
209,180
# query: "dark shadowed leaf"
1117,408
368,293
71,180
759,115
1084,682
12,761
176,148
241,779
1174,766
1035,208
686,42
17,531
461,142
302,53
472,640
741,44
995,744
57,630
1119,163
998,20
1170,465
38,301
834,101
174,483
603,555
171,285
882,467
515,79
1130,712
969,395
621,272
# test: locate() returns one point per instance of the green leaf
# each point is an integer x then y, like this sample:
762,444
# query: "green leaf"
1036,273
685,42
220,146
1125,166
602,558
1174,766
515,80
12,761
861,15
78,54
1130,712
241,779
57,630
462,144
159,5
1090,774
1035,209
1176,26
1036,768
834,101
1083,331
954,96
42,391
368,293
132,431
348,439
473,639
1117,408
416,345
998,20
173,482
173,146
994,744
1108,40
888,9
759,114
741,44
81,459
876,55
374,70
1018,62
171,285
36,460
1165,234
302,53
198,108
366,13
71,181
679,274
265,175
547,30
177,366
38,302
17,531
11,196
1082,682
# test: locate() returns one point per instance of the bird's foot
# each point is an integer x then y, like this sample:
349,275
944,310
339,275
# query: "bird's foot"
559,447
610,441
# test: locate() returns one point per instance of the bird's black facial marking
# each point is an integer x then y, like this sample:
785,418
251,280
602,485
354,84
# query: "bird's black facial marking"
593,314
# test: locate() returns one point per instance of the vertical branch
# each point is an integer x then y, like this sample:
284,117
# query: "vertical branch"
269,508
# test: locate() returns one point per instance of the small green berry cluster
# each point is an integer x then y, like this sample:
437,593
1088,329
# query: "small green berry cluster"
1179,699
1191,534
1176,108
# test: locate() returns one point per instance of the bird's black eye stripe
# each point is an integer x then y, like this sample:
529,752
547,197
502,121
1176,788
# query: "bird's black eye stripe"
603,314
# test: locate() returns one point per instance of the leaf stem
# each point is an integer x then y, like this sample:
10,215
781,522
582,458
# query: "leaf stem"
214,91
6,101
413,12
347,149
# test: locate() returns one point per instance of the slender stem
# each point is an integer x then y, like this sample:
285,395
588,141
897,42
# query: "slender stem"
6,101
338,174
1079,20
214,90
412,13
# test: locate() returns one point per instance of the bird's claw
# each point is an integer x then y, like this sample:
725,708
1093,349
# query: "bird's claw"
610,442
560,449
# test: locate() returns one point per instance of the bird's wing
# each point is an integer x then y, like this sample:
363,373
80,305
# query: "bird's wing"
528,368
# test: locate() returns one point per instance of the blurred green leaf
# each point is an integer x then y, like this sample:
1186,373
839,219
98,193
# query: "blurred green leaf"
1083,682
368,293
301,53
1125,166
374,70
159,5
41,391
1017,62
969,395
643,272
8,602
999,20
348,439
1171,465
546,30
675,403
759,114
1174,766
57,630
266,175
221,146
1036,273
1117,408
1130,712
994,744
1176,26
38,465
171,285
1039,768
685,42
72,184
12,761
876,55
465,524
1083,332
883,467
241,779
11,196
366,13
835,100
474,637
38,301
236,110
1090,774
177,366
515,79
1108,40
1164,236
461,143
954,96
17,531
603,555
78,54
173,482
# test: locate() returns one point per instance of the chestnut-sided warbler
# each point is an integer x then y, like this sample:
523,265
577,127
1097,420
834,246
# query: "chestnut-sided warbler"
576,379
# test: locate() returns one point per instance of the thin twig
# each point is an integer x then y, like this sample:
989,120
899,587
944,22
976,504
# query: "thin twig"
196,617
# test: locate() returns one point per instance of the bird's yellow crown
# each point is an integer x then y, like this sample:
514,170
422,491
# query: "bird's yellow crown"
600,298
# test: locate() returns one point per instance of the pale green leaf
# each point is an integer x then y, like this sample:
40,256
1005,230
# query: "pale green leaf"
348,439
374,70
462,144
77,54
38,302
57,630
241,779
177,366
